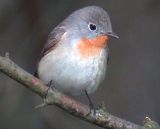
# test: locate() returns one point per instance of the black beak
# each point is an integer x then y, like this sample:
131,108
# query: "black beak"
112,34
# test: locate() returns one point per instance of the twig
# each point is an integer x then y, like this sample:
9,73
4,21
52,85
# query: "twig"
54,97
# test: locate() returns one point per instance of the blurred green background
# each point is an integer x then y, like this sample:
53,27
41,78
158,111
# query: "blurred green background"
132,85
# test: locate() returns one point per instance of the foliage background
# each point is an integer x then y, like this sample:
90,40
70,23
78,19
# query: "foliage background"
131,89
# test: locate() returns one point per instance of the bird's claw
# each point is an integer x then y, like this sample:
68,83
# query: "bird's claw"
50,86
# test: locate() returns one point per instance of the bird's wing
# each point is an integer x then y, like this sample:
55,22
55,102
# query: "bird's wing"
52,42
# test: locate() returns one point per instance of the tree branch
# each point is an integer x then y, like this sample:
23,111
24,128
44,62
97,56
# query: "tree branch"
54,97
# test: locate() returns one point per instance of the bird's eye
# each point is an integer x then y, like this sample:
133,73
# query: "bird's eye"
92,27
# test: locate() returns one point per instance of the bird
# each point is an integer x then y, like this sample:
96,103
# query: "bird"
75,56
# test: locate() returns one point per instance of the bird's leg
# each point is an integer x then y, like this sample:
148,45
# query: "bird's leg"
91,105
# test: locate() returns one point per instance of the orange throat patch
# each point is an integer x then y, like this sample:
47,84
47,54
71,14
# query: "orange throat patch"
93,46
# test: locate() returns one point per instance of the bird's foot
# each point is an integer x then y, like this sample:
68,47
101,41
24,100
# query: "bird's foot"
93,109
50,87
97,111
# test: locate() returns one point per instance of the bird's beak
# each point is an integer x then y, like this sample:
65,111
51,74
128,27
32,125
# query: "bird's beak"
112,34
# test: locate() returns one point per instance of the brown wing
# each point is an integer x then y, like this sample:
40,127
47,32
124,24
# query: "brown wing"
53,40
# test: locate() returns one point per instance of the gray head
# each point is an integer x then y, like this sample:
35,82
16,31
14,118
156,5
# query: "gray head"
90,22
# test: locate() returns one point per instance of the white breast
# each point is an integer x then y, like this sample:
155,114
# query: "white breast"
70,73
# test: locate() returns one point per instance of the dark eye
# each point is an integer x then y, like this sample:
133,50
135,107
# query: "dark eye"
92,27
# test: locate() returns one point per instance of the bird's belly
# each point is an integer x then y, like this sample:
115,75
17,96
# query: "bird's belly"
71,76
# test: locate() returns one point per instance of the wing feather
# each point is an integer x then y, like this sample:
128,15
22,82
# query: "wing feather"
53,39
52,42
